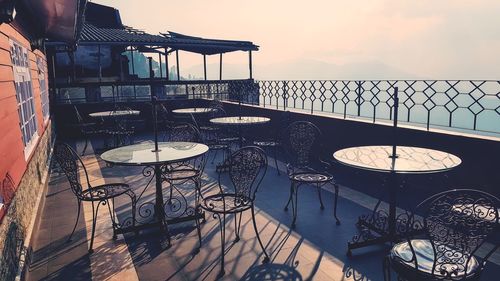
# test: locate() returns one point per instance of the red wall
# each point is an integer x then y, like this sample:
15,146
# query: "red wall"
12,158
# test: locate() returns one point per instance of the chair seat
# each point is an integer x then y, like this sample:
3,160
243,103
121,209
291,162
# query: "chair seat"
209,128
181,173
120,132
401,254
229,139
226,203
266,143
218,146
310,177
105,191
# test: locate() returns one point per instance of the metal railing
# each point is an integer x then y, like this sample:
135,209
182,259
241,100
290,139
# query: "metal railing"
457,105
460,105
140,91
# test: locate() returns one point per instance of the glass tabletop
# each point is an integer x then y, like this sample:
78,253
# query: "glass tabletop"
408,159
193,110
114,113
240,120
142,154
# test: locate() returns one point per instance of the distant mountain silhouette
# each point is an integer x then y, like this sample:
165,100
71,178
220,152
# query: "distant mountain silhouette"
306,70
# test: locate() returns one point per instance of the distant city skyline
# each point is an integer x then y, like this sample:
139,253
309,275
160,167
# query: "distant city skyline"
325,39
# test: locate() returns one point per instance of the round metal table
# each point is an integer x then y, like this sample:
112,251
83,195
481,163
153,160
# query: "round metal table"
114,113
240,121
143,154
407,160
193,110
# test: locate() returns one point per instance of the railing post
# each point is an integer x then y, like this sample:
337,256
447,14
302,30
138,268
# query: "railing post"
358,99
278,96
285,95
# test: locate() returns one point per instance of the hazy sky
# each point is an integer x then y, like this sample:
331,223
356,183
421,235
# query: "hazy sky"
435,39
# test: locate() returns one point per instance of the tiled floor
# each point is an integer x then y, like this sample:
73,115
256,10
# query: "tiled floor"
314,250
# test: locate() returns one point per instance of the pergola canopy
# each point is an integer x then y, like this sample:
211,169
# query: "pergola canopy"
97,31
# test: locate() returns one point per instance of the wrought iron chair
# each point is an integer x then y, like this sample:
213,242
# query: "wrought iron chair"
185,171
164,118
302,144
87,129
120,129
72,166
214,140
443,243
6,194
272,140
247,168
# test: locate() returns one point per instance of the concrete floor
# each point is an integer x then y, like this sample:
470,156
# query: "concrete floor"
314,250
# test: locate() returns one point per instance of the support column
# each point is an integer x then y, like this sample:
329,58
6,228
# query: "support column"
99,62
177,61
166,65
161,71
55,91
133,69
205,66
220,67
250,63
73,65
132,58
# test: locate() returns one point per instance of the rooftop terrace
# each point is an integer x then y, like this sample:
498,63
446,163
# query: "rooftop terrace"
314,250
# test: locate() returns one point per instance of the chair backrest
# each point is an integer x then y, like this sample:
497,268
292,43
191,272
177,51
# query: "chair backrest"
185,132
70,163
216,104
7,190
163,116
79,117
457,223
247,168
301,140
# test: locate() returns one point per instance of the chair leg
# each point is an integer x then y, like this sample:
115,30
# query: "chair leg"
215,154
222,225
237,225
295,204
266,258
318,188
76,222
134,205
197,209
386,268
276,160
112,216
290,196
95,211
335,204
86,144
198,229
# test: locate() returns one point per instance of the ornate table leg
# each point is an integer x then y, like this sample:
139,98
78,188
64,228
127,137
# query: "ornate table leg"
379,222
159,202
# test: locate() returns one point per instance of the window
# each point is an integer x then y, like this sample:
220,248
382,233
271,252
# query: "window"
24,95
44,94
